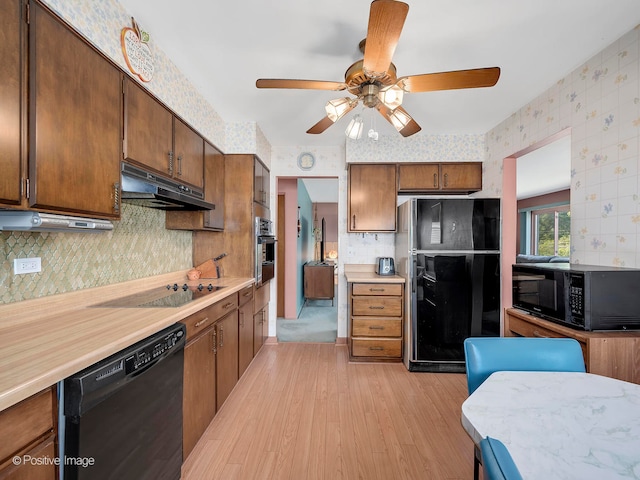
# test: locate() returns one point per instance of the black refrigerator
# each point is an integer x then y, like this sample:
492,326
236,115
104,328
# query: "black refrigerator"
448,250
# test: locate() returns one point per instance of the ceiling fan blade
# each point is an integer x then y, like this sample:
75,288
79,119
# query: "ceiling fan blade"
386,19
303,84
407,128
321,126
429,82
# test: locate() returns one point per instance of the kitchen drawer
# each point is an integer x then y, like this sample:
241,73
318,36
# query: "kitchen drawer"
245,295
377,289
376,327
24,424
525,329
379,347
377,306
198,322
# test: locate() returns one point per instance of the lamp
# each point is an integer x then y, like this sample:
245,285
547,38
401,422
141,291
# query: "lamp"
399,118
391,96
338,107
354,129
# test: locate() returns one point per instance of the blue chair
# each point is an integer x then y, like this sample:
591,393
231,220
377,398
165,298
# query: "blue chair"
486,355
497,463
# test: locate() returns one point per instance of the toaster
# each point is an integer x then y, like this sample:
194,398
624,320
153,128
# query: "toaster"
385,266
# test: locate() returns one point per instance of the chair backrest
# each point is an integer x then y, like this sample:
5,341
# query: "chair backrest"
485,355
497,463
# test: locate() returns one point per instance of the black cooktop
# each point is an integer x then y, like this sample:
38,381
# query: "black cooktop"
170,296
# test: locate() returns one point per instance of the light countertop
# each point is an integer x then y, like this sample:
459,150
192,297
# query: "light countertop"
44,340
366,274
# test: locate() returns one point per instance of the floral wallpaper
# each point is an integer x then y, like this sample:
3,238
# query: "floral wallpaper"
600,102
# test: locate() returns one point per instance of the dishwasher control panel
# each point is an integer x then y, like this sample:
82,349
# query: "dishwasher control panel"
150,352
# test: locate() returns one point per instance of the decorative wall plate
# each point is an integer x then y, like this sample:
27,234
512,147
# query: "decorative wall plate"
306,161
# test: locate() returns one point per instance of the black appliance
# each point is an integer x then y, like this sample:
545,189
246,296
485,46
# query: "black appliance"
586,297
448,250
123,415
150,190
171,296
265,250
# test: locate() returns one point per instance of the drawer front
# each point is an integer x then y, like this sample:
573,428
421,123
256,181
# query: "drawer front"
245,295
24,423
377,289
377,306
376,327
198,322
390,348
526,329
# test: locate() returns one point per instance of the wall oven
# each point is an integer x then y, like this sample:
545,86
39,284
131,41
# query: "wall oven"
265,250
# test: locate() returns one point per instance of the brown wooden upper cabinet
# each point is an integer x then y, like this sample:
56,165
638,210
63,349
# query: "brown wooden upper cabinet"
213,193
75,121
455,177
261,188
371,203
157,139
12,51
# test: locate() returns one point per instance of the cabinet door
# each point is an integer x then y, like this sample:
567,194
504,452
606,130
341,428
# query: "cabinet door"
75,120
258,339
214,187
466,177
245,337
372,198
11,52
148,130
227,356
258,174
199,389
418,177
188,155
318,281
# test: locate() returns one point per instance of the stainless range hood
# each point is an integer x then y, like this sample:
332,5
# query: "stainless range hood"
27,221
148,190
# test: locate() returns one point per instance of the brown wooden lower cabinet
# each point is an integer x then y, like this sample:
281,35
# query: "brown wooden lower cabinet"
245,329
318,281
375,315
226,356
612,354
29,428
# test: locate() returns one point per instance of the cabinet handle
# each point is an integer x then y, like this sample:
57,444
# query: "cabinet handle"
221,336
375,327
247,294
201,322
215,341
353,222
179,165
378,349
435,180
227,305
116,197
376,289
446,176
376,307
170,162
536,333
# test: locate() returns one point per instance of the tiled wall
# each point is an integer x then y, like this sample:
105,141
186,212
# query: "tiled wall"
600,102
138,246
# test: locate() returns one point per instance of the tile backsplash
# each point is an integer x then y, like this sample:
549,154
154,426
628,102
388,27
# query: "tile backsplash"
139,246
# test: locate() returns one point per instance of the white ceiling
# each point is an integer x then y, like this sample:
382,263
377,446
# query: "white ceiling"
322,190
545,170
223,47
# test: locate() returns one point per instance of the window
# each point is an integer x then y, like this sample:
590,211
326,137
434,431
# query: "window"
551,231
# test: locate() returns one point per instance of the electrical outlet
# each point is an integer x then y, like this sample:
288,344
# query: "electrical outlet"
27,265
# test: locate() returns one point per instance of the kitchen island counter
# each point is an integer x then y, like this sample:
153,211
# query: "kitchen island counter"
44,340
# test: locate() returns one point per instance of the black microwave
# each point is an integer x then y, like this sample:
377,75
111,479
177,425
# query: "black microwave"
586,297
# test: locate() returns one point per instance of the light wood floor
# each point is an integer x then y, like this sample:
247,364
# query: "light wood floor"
302,411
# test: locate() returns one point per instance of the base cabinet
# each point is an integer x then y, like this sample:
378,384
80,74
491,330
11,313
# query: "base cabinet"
29,428
245,329
375,315
612,354
318,281
227,356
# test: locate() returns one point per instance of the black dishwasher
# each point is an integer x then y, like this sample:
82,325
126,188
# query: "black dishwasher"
123,415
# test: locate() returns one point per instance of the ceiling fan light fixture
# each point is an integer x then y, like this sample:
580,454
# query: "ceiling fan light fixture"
399,119
354,129
391,96
338,107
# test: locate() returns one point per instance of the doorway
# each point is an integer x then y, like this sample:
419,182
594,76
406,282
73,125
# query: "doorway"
305,239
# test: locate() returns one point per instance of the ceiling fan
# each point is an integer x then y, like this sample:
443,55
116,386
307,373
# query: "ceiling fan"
373,79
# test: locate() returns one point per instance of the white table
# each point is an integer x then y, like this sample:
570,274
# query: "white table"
560,425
